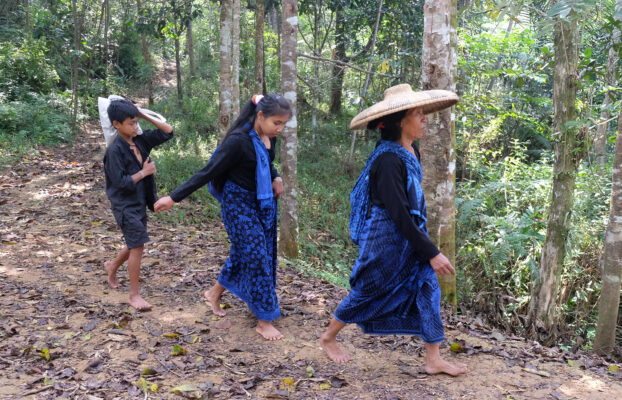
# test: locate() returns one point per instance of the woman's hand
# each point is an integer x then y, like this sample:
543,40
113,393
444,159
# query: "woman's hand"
165,203
441,265
277,186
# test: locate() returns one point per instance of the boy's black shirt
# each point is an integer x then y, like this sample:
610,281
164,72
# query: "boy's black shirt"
120,163
235,160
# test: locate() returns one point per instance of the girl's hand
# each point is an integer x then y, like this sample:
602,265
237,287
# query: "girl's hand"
165,203
441,265
277,186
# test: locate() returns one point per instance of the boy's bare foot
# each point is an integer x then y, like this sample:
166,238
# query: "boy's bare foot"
440,366
214,299
268,331
333,351
113,281
139,303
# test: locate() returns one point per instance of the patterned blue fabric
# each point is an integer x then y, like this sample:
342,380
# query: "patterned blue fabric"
392,290
250,271
359,197
262,172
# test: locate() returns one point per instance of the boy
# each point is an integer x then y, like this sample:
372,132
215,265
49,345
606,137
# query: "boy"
130,188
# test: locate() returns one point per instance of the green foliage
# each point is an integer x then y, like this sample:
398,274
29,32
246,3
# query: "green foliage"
36,120
25,69
500,227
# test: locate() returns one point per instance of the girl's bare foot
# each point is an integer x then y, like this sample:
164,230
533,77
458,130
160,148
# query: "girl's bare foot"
440,366
332,349
139,303
113,281
268,331
214,299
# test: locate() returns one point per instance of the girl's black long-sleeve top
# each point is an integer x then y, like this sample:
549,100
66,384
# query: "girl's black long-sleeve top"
388,178
235,160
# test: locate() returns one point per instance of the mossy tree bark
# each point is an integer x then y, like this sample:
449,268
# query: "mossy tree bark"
224,105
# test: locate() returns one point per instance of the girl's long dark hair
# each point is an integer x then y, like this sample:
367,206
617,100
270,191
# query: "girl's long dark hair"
269,105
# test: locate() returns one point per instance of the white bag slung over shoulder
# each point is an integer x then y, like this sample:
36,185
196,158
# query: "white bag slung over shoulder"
109,131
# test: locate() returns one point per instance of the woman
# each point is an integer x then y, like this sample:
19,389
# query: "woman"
394,289
242,177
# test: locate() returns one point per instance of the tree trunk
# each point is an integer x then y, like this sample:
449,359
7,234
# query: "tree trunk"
316,69
106,42
609,302
224,108
438,155
276,27
367,77
259,54
190,41
600,140
28,22
180,94
147,57
338,70
75,66
235,60
288,241
542,308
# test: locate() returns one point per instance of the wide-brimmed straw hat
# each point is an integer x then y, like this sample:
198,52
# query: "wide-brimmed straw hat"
402,97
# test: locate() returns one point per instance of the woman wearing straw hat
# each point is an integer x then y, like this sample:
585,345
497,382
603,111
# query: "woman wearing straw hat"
394,288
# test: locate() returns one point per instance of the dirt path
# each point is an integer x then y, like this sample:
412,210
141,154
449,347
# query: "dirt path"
56,230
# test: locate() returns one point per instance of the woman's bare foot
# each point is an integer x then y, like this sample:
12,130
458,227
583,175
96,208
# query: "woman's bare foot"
214,299
332,349
268,331
113,281
440,366
139,303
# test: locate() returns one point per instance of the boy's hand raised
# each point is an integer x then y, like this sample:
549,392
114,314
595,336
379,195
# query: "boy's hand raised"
165,203
149,167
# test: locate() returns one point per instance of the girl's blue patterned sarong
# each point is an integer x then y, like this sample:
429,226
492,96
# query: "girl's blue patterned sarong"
250,271
392,291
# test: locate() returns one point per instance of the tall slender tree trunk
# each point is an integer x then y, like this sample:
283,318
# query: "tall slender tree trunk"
28,21
224,107
259,52
600,140
542,308
340,55
609,302
235,60
368,77
288,240
107,62
147,57
316,69
438,147
75,65
276,27
180,93
190,41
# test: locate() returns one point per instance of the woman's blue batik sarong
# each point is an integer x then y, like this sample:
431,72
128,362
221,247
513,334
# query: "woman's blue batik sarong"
250,271
393,291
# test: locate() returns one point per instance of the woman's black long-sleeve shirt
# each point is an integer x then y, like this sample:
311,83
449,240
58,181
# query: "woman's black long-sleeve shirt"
235,160
388,178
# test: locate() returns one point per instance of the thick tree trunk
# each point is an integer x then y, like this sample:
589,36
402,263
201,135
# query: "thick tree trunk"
609,302
438,155
338,70
224,108
259,52
542,308
600,140
190,42
288,240
180,93
235,60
